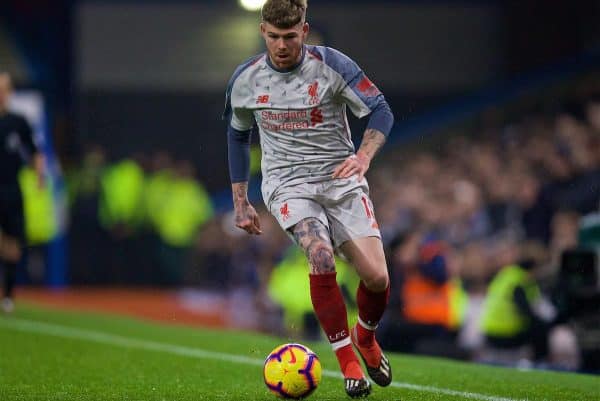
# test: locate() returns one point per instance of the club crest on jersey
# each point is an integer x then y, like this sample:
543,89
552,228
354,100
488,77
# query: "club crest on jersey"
313,92
285,212
262,99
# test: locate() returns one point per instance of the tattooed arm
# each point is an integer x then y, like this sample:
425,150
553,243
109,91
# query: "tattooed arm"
372,141
238,144
359,163
246,217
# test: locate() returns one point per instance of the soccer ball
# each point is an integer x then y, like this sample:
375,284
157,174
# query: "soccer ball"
292,371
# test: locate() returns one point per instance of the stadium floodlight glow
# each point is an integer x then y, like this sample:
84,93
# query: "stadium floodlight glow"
252,5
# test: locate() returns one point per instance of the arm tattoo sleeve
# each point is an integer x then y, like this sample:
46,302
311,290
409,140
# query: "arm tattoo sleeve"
240,192
372,141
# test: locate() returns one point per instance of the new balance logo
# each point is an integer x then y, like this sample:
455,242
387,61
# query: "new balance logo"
261,99
316,116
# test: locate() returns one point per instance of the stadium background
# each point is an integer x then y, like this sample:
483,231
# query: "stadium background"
496,142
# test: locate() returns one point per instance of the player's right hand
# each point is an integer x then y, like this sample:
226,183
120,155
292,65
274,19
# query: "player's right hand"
247,219
353,165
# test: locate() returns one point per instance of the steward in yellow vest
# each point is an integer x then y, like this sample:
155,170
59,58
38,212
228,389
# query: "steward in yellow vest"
121,190
38,206
184,207
508,319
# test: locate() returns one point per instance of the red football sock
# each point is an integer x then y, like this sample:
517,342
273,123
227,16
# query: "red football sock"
330,309
371,306
349,363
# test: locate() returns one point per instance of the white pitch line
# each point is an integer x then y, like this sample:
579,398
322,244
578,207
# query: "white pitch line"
56,330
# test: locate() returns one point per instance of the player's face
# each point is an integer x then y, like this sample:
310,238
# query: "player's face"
5,91
284,45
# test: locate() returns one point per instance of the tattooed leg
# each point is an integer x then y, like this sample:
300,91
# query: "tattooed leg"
313,237
326,297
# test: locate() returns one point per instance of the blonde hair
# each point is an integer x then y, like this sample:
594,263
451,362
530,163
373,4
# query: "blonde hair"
284,14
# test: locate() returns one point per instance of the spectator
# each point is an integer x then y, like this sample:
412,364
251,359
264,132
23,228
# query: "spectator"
509,318
426,303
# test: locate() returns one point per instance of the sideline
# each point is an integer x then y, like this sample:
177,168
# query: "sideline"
32,326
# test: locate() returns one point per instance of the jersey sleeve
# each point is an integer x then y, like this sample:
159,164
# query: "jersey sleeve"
239,117
353,87
238,150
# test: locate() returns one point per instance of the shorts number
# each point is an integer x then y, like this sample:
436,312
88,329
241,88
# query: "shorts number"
368,210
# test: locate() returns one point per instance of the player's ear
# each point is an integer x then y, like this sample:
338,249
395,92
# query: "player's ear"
305,29
263,29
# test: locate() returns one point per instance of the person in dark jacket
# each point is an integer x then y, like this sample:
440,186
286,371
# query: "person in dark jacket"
16,149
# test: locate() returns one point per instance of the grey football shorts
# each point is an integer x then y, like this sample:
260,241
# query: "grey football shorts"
342,205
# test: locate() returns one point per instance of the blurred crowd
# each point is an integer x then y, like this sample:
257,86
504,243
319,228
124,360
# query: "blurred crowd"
454,215
133,220
484,194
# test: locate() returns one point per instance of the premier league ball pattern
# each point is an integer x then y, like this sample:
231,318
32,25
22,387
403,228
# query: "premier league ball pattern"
292,371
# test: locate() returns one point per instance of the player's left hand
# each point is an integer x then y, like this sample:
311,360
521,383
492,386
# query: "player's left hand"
355,164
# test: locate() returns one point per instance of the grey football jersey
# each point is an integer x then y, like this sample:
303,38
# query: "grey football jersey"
300,113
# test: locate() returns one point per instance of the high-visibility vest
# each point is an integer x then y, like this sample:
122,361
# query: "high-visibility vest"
255,159
121,194
156,195
459,303
500,316
186,208
38,208
289,286
426,301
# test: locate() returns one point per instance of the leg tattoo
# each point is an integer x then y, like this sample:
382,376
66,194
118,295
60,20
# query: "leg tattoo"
313,237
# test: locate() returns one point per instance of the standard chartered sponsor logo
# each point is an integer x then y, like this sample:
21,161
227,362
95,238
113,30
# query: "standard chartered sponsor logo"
287,126
290,120
285,115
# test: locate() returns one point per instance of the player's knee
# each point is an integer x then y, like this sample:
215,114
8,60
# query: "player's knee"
320,256
378,281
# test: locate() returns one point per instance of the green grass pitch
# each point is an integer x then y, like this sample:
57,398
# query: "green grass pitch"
53,355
